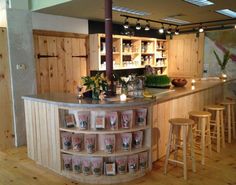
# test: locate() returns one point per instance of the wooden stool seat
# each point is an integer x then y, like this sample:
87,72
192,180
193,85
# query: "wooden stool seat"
228,102
230,117
201,114
218,125
215,107
176,125
202,131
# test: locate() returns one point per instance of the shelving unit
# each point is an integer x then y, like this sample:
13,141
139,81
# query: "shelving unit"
129,53
100,152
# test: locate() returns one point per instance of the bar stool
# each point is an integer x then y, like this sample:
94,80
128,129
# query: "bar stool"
186,125
229,112
218,123
202,130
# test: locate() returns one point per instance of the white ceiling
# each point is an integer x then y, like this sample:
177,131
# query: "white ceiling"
158,9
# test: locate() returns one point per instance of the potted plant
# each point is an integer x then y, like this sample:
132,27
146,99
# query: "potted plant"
96,84
222,63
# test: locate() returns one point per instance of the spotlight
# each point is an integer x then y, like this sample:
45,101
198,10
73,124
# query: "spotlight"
161,30
138,25
200,30
176,31
147,27
126,24
169,31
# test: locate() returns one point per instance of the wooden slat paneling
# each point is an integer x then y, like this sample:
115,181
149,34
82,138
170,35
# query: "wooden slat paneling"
43,140
186,55
61,67
6,117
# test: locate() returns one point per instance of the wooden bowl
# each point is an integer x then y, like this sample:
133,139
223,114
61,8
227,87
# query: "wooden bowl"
179,82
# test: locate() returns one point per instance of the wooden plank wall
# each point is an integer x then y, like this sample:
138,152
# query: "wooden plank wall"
6,119
42,128
64,61
179,107
186,56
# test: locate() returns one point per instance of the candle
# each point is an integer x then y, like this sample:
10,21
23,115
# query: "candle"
192,87
193,82
122,97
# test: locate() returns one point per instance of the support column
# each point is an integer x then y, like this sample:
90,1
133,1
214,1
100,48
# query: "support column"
108,32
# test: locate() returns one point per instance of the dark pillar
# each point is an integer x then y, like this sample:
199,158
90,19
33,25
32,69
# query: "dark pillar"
108,32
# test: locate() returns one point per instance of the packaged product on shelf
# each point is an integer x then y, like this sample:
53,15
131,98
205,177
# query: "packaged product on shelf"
86,166
90,143
143,161
133,163
100,122
141,117
126,139
69,120
110,168
126,119
121,163
97,166
137,139
109,142
67,162
83,120
112,120
66,140
77,164
77,142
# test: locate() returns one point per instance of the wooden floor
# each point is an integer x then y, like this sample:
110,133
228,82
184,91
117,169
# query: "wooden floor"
220,169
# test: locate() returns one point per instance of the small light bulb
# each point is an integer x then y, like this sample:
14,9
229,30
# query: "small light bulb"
201,30
161,30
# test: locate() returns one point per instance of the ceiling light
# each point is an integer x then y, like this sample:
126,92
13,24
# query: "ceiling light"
201,29
200,2
138,25
129,11
169,30
227,12
176,31
177,21
147,27
126,24
161,30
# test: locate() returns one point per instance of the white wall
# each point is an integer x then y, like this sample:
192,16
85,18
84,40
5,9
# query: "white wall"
59,23
3,18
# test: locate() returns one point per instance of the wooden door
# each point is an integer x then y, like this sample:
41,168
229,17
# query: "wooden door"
6,120
186,55
61,61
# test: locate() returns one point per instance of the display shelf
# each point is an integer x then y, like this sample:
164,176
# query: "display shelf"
95,131
127,49
104,179
102,153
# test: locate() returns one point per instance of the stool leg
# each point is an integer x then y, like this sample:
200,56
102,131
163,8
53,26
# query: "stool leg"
176,143
209,135
233,121
217,131
229,122
203,142
168,149
192,148
185,152
222,128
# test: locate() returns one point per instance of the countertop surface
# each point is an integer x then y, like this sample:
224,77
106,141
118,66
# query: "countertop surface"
158,96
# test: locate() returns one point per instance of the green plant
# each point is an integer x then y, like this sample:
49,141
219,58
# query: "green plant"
157,80
97,82
223,63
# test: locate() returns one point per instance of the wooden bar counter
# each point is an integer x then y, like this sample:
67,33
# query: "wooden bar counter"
44,123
